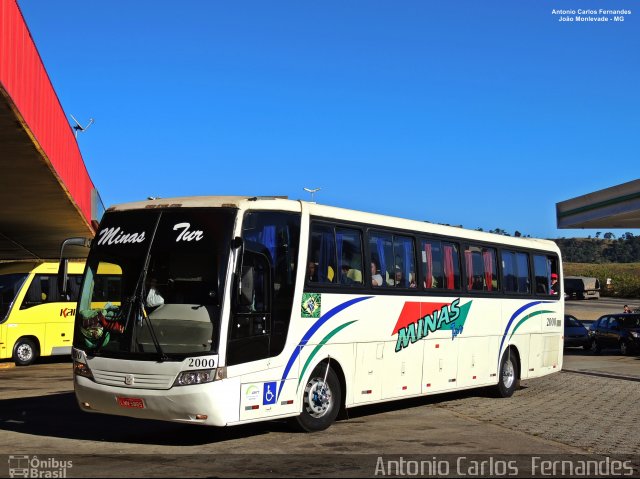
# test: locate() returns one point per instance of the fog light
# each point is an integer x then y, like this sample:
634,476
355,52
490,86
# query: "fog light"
201,417
86,405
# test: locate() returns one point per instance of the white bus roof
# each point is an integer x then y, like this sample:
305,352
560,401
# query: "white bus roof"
314,209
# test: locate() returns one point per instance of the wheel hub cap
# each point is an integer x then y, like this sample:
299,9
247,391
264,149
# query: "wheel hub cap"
24,352
318,398
508,374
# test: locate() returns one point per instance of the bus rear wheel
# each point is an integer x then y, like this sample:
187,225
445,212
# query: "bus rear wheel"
508,375
25,352
321,400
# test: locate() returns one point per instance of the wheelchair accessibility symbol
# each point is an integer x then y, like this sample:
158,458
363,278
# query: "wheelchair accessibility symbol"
269,394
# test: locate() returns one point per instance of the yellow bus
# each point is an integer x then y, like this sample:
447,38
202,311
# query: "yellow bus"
34,320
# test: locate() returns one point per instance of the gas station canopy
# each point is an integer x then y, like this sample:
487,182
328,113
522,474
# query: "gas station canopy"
614,207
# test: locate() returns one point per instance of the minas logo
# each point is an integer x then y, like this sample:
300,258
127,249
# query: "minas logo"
418,320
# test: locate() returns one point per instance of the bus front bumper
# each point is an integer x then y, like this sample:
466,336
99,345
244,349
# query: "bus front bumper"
213,404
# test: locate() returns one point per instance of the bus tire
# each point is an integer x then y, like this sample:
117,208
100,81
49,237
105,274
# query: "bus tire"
25,352
321,401
508,375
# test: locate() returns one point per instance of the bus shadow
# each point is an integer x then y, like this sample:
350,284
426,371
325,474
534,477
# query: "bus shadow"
58,416
355,414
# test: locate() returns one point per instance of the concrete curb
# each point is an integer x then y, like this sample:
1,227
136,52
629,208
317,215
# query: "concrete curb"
602,375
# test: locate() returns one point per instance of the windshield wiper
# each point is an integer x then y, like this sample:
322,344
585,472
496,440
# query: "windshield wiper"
140,297
135,307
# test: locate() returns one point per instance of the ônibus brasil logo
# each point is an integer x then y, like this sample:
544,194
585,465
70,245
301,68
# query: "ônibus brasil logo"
418,320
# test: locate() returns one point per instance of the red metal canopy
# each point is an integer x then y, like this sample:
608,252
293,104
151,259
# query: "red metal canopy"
46,194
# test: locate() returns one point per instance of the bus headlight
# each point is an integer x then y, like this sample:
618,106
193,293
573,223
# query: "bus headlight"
187,378
81,369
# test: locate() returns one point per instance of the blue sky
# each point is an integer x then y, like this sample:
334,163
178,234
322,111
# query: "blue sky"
484,114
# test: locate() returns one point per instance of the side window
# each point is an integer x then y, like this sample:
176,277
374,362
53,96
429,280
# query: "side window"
349,252
37,293
10,285
524,283
515,268
404,270
481,269
545,271
262,310
509,272
107,288
321,264
73,286
440,265
335,256
382,262
44,289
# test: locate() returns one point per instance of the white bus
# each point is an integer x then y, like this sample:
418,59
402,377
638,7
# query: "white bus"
235,309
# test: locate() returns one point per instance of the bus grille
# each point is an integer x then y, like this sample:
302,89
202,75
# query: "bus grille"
140,381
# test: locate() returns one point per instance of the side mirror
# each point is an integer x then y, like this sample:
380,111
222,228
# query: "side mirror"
236,242
64,262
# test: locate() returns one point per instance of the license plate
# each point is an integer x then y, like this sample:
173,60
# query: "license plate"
135,403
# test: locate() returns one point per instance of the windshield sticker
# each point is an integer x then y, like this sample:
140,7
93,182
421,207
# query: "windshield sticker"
98,323
115,235
311,305
417,320
187,235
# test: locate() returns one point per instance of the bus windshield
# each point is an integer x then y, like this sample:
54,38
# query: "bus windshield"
10,284
154,282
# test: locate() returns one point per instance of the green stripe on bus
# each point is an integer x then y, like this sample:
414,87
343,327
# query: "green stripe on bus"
320,344
527,317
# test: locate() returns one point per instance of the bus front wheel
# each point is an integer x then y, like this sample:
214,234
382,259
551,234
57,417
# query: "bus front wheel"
321,400
25,352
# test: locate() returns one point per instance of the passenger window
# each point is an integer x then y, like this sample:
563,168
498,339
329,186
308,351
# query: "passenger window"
322,254
382,262
481,269
546,274
404,270
440,265
44,289
515,268
349,251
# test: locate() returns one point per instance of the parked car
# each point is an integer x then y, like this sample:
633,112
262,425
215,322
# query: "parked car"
575,333
617,331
